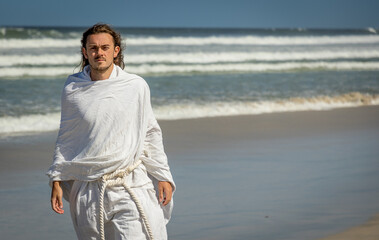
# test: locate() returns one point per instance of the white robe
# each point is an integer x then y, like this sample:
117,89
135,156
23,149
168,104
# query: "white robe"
106,125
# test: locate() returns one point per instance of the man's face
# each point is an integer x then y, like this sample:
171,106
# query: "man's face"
100,51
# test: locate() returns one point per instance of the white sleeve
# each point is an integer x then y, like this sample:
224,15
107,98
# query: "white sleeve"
156,163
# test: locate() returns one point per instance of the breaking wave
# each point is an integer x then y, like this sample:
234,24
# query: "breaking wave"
50,122
198,41
188,111
162,69
192,58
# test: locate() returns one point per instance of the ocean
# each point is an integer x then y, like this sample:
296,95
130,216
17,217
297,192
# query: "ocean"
195,73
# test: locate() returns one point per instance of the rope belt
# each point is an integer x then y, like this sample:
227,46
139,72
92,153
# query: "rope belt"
118,178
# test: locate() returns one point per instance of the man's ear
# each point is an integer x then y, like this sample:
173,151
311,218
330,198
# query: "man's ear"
84,52
116,51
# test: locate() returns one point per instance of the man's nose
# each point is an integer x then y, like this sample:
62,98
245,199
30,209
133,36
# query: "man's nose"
100,51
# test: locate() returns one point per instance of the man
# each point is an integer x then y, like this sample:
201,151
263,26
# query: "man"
109,156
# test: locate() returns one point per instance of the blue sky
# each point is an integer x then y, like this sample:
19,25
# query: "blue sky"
193,13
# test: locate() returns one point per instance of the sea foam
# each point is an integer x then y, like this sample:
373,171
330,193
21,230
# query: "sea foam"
50,122
215,109
197,41
193,58
163,69
29,123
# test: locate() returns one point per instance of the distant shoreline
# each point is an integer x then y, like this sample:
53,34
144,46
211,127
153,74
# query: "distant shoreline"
54,117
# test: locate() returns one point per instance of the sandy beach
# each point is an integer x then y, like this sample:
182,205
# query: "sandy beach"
293,175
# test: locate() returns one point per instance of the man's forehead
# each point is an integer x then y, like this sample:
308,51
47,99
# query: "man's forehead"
100,39
96,44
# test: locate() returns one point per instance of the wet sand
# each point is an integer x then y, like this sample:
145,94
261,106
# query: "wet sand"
300,175
367,231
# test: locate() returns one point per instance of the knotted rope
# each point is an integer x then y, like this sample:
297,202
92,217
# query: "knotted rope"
118,178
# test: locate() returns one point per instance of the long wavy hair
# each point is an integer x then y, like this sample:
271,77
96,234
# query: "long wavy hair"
103,28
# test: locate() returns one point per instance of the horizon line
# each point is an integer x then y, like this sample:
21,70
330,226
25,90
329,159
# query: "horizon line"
196,27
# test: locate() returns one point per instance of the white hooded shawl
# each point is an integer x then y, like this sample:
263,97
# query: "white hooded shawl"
106,125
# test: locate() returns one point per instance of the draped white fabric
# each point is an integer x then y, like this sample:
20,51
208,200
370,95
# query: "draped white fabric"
106,125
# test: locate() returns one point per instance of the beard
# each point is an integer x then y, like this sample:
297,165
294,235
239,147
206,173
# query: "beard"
100,69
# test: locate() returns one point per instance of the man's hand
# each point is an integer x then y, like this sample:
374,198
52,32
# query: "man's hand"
165,192
56,198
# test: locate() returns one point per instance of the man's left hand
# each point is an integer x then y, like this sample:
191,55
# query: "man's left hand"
165,192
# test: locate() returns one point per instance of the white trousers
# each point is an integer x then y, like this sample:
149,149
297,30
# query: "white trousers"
121,218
